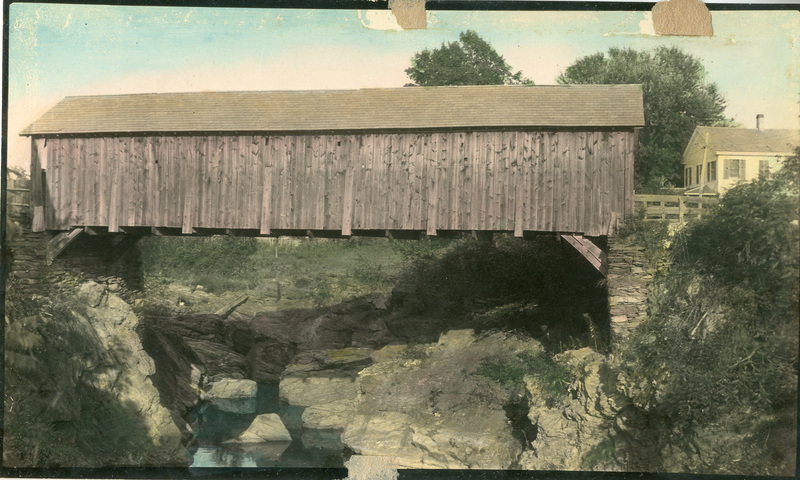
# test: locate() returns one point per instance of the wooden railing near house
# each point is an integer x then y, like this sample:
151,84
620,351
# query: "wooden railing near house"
675,208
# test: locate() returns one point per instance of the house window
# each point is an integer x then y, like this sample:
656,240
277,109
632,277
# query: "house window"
711,172
763,168
687,180
734,168
698,171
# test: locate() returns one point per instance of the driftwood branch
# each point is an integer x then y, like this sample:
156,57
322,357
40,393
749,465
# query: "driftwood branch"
230,307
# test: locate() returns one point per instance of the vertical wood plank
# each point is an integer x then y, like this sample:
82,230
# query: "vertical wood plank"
336,145
604,177
424,183
141,180
63,156
115,205
92,174
475,190
554,174
520,168
629,173
508,203
266,195
234,165
285,156
544,183
257,183
482,189
66,184
567,200
399,179
37,202
421,182
201,183
386,157
347,210
433,194
103,183
189,185
76,181
318,172
304,183
580,165
53,180
588,189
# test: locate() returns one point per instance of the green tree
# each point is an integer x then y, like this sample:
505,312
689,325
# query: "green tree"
470,61
677,98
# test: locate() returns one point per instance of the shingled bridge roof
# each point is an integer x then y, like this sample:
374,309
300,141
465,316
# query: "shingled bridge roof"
459,107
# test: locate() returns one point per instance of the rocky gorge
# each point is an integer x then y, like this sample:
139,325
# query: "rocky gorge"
368,377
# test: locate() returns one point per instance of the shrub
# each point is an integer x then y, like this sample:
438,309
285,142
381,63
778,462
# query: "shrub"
471,273
511,370
722,339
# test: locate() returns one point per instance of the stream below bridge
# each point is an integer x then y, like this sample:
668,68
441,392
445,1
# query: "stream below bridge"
308,448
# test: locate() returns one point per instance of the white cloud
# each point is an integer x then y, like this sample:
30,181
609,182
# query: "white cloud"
646,25
379,19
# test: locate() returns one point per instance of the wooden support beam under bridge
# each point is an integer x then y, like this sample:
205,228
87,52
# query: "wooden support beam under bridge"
594,254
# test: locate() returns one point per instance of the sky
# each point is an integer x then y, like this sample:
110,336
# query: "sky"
58,50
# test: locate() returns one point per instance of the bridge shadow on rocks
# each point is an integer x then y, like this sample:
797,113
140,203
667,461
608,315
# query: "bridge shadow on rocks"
540,289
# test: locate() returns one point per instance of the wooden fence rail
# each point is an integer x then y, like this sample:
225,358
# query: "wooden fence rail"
675,208
18,201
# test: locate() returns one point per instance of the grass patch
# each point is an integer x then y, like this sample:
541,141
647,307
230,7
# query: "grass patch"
324,270
600,454
510,371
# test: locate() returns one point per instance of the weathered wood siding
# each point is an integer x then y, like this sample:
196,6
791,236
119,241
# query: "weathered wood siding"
501,181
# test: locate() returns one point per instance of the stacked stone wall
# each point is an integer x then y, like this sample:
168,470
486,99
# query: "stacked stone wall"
103,259
107,260
629,284
24,252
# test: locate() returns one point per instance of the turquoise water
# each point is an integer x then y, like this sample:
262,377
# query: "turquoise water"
308,448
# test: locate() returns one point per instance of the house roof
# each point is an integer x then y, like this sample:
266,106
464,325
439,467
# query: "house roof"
366,109
749,140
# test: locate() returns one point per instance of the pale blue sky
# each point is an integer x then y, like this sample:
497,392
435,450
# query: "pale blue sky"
59,50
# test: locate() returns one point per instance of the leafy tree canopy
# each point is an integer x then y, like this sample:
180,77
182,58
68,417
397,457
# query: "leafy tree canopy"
470,61
677,98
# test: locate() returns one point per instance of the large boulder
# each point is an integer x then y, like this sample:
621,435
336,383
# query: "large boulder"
322,377
267,359
267,427
232,395
425,405
219,360
196,326
316,389
579,435
178,373
479,438
127,371
384,433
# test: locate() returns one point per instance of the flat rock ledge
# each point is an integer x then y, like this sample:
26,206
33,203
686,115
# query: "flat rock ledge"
235,396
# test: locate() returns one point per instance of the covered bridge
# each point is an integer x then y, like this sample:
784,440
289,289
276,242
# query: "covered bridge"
425,159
